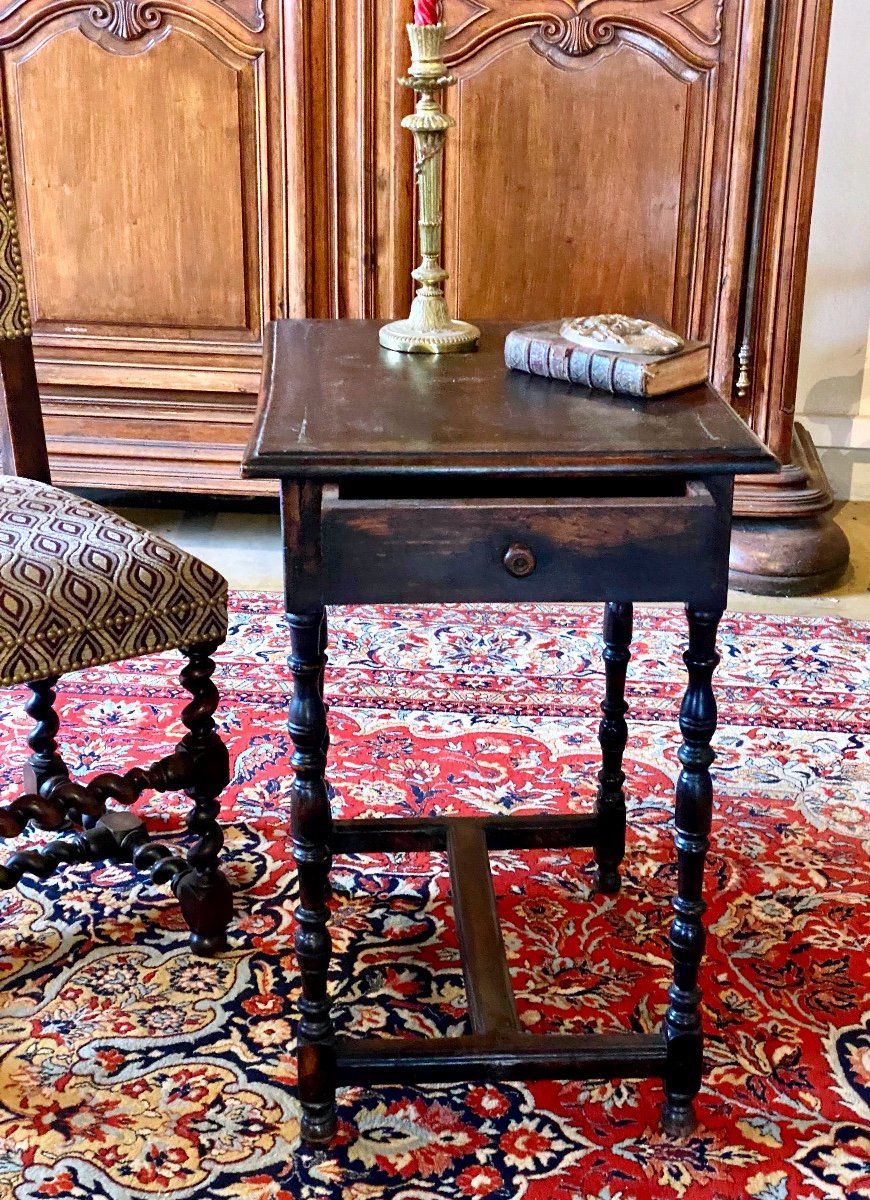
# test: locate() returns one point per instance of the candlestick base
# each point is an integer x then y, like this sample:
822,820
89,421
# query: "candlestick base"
409,338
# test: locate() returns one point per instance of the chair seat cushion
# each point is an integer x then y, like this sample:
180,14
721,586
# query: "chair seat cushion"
81,586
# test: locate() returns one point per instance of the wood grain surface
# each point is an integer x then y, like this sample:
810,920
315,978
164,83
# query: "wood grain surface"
334,404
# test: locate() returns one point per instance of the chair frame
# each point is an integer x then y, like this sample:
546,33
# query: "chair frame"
52,800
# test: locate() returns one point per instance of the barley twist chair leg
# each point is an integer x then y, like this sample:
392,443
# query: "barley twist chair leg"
45,762
204,892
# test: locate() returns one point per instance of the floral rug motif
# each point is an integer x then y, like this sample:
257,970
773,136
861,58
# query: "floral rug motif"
129,1069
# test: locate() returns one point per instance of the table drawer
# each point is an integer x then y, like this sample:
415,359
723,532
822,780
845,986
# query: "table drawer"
555,548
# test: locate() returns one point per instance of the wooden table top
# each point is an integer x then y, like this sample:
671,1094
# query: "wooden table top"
335,404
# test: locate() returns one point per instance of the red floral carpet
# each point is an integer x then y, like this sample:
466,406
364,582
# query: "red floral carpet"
129,1069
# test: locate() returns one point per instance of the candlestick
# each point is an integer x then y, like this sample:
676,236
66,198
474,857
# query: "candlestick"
429,329
427,12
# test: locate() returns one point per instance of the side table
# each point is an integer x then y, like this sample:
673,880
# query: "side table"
411,478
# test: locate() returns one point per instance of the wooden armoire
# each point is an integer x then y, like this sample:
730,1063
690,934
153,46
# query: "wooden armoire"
187,169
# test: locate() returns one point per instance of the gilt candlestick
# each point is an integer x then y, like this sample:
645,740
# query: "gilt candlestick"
429,328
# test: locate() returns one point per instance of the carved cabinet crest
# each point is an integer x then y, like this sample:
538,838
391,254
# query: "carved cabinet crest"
126,20
688,30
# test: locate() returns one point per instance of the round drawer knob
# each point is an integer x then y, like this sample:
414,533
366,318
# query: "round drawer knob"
519,561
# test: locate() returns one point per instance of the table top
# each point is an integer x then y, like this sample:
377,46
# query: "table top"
335,404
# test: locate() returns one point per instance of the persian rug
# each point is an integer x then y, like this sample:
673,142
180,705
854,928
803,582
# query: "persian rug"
129,1069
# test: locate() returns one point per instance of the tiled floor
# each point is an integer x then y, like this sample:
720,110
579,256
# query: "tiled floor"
246,548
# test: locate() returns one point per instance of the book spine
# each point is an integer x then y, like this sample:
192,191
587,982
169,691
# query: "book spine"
606,372
560,361
516,353
535,356
539,357
631,378
554,360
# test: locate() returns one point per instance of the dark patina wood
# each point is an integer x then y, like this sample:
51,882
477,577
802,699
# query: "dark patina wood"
335,405
312,835
488,989
613,737
694,813
412,478
45,761
514,549
370,835
204,892
501,1056
23,435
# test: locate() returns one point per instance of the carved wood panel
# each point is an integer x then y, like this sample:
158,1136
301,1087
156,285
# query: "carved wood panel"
599,210
146,148
599,161
688,32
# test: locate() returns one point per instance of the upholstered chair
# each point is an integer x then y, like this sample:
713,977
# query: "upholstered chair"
80,587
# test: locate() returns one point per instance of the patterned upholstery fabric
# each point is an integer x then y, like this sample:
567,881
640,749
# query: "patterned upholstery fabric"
81,586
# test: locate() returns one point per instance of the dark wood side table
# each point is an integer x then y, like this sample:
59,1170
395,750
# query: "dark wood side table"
415,479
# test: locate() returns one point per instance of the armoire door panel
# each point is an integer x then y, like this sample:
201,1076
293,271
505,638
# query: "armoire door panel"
598,162
572,184
147,154
144,176
579,170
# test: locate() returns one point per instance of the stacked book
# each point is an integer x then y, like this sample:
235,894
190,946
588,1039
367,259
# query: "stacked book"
562,350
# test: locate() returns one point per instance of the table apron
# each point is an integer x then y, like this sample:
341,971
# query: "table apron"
663,549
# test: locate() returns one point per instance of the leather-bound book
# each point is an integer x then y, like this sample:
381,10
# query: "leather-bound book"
543,350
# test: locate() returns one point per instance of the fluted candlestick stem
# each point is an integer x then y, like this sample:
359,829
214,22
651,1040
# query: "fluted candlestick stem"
429,328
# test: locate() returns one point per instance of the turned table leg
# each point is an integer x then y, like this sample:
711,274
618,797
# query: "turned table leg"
322,643
312,832
694,805
613,735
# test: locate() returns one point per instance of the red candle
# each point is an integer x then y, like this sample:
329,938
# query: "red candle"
427,12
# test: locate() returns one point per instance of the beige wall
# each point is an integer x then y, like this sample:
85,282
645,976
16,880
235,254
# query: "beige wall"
834,381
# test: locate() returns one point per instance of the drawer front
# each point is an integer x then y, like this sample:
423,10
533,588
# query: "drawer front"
671,548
